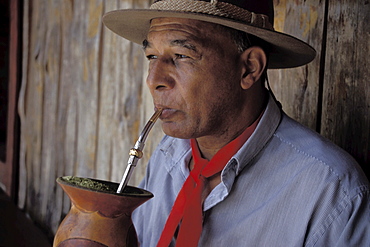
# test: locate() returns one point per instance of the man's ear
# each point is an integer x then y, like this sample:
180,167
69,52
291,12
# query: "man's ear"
254,62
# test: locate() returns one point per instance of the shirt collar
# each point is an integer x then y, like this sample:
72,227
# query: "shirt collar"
265,129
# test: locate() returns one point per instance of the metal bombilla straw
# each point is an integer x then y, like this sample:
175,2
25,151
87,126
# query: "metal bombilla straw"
137,151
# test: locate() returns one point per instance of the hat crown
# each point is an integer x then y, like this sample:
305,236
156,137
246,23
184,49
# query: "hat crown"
217,10
264,7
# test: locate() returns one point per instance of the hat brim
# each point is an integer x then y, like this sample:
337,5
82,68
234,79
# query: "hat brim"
287,51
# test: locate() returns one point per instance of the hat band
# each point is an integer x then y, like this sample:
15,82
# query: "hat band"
215,8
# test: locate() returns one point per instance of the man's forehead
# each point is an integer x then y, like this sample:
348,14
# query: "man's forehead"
180,28
190,26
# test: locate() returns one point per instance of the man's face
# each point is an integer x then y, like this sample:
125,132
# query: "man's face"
194,75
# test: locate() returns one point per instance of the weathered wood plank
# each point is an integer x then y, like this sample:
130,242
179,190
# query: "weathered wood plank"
51,50
346,102
34,107
22,190
107,95
297,88
85,43
67,105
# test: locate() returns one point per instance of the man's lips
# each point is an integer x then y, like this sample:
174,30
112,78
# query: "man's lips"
166,113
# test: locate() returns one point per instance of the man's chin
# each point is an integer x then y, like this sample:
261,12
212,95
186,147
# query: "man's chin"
175,131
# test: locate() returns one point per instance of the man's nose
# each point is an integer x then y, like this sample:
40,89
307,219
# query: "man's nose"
160,75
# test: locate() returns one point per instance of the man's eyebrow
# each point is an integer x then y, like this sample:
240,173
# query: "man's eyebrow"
184,43
178,42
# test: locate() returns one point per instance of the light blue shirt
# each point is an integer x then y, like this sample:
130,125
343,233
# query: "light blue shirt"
287,186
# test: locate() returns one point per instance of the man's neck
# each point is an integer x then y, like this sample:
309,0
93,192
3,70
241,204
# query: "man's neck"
210,145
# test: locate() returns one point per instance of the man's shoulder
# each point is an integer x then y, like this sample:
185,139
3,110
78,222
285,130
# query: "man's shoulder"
308,142
317,150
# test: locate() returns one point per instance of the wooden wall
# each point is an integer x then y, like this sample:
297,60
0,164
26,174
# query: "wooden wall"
330,95
83,99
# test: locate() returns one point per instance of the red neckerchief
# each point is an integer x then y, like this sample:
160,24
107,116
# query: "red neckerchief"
187,208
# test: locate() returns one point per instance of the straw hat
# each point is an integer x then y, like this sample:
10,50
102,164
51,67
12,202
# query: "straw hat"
251,16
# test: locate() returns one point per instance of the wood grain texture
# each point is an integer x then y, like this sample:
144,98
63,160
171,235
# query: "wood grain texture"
81,102
346,102
297,89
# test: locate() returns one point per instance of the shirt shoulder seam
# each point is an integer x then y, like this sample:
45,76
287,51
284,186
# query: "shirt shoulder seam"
307,154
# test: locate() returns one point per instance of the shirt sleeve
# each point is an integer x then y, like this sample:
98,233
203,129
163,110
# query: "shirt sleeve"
348,224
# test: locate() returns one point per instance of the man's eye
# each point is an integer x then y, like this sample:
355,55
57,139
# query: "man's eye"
150,57
181,56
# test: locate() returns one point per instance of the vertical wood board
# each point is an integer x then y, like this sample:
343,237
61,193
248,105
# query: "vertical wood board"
346,102
80,104
297,88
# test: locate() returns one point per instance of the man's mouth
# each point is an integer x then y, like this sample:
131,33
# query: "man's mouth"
166,112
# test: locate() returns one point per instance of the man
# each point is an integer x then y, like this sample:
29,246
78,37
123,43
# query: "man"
233,169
